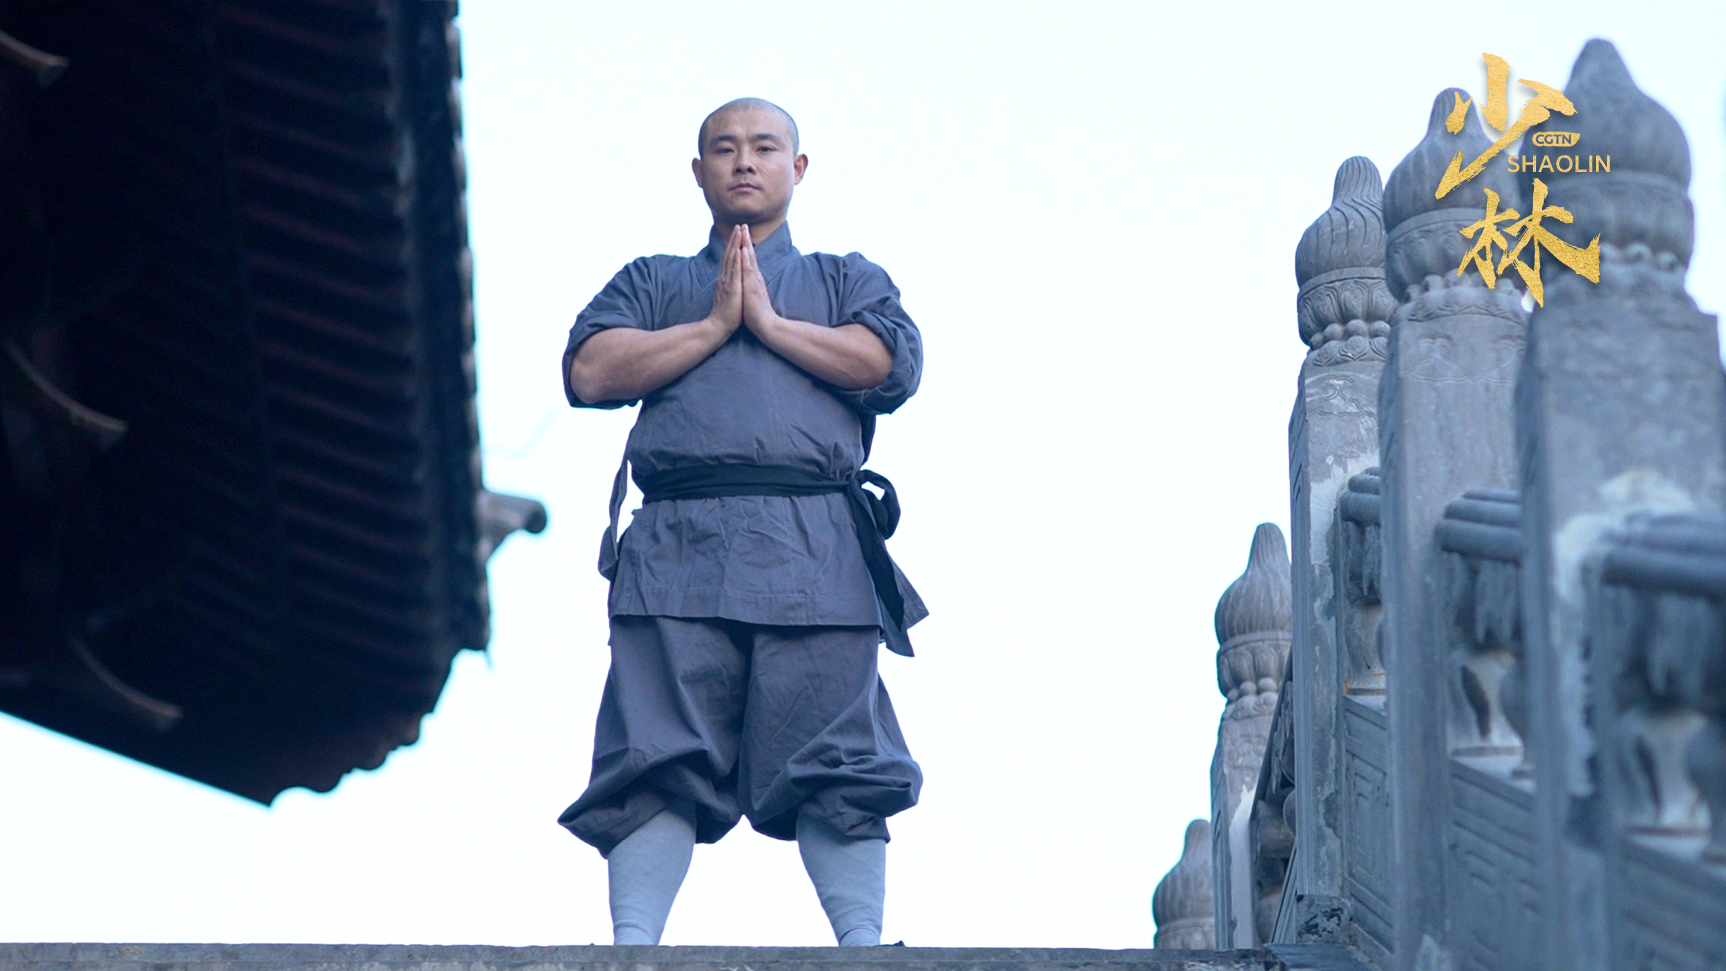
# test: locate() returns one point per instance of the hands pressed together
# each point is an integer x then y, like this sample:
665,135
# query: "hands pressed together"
621,363
740,294
847,356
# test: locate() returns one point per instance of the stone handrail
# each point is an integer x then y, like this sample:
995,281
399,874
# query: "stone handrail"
1660,641
1500,741
1481,537
1359,558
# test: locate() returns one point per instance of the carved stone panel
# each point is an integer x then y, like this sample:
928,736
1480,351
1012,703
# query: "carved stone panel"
1495,908
1481,536
1622,411
1358,551
1328,445
1253,617
1673,909
1369,871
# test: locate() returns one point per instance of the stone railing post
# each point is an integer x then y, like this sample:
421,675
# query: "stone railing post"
1657,662
1445,426
1621,409
1182,905
1342,308
1252,623
1481,536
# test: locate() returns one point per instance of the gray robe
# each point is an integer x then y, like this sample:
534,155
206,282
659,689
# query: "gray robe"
757,559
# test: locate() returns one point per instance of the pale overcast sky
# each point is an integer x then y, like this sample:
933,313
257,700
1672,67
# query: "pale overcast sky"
1092,214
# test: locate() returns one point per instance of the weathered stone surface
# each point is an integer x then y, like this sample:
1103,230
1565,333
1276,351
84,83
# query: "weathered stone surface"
1422,233
1509,641
392,957
1357,550
1252,624
1622,410
1481,536
1362,781
1645,197
1657,641
1343,306
1445,408
1183,905
1342,309
1370,875
1270,828
1315,957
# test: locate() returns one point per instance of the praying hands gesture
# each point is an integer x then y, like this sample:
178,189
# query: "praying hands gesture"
623,363
740,294
728,291
849,356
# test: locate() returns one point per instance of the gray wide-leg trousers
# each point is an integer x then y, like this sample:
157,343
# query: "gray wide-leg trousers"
703,722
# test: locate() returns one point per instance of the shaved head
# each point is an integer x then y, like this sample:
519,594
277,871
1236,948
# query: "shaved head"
746,104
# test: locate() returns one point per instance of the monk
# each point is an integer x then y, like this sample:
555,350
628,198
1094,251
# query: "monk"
752,590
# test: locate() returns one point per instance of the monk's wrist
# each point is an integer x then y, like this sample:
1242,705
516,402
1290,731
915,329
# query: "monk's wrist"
715,328
769,327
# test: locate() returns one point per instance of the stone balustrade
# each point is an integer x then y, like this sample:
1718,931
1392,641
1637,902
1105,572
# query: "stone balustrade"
1501,738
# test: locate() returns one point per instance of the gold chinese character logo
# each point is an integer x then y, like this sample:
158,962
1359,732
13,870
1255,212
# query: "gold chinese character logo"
1530,232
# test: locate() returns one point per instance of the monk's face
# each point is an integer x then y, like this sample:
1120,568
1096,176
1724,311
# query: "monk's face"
747,168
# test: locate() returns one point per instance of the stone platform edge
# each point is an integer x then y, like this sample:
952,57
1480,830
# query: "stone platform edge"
415,957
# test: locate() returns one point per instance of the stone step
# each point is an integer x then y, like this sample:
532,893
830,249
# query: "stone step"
413,957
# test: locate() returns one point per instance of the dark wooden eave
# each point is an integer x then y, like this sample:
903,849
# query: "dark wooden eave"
235,229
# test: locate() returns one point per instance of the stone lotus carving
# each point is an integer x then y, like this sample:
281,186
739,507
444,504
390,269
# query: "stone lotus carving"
1423,239
1658,637
1343,306
1254,626
1182,904
1253,621
1641,210
1644,200
1614,853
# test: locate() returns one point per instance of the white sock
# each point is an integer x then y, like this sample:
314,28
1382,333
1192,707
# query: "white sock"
646,869
850,877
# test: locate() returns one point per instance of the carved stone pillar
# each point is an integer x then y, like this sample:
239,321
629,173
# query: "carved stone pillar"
1182,904
1252,623
1342,308
1445,426
1621,408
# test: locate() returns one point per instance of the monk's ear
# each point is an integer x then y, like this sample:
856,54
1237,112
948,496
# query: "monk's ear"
798,167
695,167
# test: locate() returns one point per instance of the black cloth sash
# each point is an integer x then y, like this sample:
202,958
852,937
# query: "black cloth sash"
875,517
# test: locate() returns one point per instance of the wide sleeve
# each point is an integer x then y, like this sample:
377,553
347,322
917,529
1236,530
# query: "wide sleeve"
868,297
627,301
